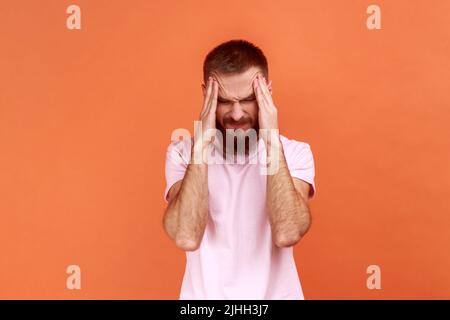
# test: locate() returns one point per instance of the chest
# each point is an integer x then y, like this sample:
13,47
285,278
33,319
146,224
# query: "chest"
236,191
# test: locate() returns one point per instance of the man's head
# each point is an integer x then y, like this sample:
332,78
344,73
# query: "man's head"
235,64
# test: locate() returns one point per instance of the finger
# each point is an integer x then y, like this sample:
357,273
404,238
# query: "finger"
265,92
259,96
215,94
213,98
267,86
263,86
207,99
208,93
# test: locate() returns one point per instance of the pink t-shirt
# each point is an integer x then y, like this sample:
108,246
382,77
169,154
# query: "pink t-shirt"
237,258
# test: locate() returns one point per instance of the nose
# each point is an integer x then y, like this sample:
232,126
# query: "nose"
237,113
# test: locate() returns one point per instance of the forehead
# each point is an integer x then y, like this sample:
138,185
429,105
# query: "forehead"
237,86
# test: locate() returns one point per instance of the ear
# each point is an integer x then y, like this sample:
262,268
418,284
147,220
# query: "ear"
269,86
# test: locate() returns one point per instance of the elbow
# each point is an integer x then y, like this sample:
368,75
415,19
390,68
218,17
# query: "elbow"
289,239
305,229
284,240
186,244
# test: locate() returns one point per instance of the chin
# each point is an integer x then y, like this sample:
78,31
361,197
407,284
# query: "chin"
245,127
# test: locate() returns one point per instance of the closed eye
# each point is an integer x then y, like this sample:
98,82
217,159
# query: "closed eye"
219,100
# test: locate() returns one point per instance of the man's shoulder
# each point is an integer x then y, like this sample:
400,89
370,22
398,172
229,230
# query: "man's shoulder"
293,145
181,145
180,148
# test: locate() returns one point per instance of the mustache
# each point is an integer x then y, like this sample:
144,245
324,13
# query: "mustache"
240,122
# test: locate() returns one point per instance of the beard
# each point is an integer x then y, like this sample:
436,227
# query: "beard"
241,135
230,121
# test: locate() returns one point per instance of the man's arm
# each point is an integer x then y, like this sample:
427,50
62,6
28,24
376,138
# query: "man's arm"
187,212
287,203
287,209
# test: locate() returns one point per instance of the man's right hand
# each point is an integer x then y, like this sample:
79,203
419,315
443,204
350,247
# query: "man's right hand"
186,215
207,118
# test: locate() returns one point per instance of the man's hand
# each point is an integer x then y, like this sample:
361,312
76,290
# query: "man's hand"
288,212
268,123
268,118
186,216
207,118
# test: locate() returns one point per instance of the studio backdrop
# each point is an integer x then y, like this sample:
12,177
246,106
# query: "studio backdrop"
91,91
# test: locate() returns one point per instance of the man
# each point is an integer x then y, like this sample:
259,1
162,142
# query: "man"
236,222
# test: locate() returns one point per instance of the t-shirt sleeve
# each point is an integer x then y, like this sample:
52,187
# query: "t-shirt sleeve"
177,160
300,161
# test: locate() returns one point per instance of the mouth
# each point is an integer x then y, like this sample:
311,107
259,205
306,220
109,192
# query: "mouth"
236,126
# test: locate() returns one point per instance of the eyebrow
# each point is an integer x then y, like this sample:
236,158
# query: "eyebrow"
250,97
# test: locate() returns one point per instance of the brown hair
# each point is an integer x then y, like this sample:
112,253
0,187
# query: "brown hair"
234,56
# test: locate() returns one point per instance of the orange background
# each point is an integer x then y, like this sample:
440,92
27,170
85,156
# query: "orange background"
86,116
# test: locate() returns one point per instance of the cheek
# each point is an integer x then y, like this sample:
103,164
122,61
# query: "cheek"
220,112
253,109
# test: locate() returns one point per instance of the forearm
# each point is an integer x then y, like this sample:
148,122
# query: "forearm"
191,206
288,212
189,215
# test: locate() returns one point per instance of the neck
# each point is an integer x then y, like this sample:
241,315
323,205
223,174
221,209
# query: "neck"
234,143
